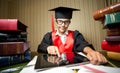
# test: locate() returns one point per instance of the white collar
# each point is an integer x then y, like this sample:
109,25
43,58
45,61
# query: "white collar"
57,33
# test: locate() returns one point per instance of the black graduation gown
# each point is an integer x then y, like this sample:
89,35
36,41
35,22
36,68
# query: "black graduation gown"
79,42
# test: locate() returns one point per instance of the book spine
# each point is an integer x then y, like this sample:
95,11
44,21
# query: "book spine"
5,37
12,48
113,55
113,32
110,46
13,25
14,59
99,14
112,38
7,24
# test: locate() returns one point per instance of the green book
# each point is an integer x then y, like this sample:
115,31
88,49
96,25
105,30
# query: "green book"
112,20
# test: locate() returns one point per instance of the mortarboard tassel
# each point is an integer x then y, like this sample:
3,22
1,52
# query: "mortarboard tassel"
52,20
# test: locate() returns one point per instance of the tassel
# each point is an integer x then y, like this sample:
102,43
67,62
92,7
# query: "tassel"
52,20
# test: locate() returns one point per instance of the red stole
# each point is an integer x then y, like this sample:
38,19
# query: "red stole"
68,46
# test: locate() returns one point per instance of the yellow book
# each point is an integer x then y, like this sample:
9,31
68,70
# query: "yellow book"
113,55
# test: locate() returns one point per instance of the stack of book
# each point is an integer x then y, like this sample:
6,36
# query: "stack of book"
110,17
14,47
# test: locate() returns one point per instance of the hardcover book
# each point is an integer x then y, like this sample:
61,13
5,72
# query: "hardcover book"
110,46
113,55
113,32
112,20
100,14
14,59
113,38
13,48
12,37
12,25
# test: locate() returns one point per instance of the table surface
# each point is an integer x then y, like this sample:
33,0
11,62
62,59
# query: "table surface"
83,67
33,62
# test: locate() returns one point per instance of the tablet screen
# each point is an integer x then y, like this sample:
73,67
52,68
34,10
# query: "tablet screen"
46,61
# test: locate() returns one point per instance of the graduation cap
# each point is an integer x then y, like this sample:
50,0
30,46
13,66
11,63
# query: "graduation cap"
63,12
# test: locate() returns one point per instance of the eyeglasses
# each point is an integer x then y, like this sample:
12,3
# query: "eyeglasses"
61,22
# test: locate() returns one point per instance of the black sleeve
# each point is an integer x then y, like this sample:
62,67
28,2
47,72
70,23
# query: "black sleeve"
79,42
47,40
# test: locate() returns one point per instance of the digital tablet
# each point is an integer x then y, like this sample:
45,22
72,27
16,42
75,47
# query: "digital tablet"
46,61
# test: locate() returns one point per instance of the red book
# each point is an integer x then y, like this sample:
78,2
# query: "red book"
13,48
12,25
110,46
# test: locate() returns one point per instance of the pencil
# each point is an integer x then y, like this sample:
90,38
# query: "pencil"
111,64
